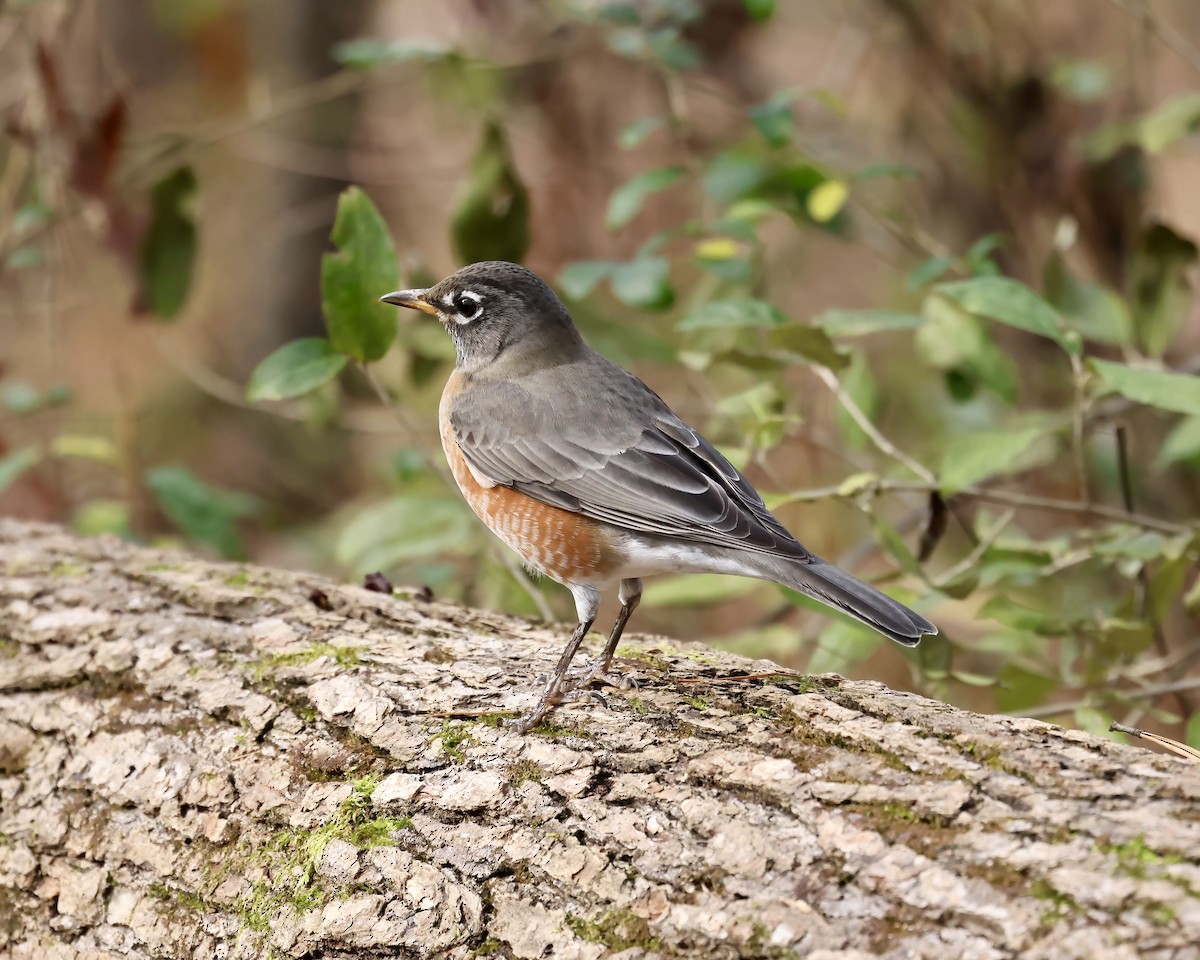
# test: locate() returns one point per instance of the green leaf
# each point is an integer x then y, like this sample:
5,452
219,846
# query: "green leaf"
760,10
859,383
841,646
1094,312
491,221
1193,731
734,312
1011,303
1177,392
628,199
812,343
579,279
644,282
856,323
1182,443
958,344
625,14
925,272
354,278
404,529
367,53
168,248
1162,291
295,369
639,130
732,176
970,458
201,512
1020,689
773,118
894,546
13,464
694,590
1169,123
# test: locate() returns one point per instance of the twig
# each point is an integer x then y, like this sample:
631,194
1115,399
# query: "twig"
1078,411
885,445
1053,709
970,560
1168,34
1181,749
1006,497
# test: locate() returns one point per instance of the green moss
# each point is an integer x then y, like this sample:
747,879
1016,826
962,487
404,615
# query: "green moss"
67,568
697,702
455,738
759,946
647,659
1136,855
639,706
179,899
296,855
342,656
617,930
237,580
489,947
560,731
803,730
1059,905
524,771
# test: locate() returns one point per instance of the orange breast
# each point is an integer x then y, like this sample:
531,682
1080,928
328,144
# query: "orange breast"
561,545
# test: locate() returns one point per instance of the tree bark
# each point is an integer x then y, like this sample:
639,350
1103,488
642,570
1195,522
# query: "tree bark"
206,760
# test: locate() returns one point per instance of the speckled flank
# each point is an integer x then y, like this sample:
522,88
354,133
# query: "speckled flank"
557,543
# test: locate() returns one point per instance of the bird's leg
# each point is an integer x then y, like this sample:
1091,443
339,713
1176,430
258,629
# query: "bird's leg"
558,688
600,670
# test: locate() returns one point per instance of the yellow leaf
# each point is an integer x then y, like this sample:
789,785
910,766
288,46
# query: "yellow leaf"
718,248
826,201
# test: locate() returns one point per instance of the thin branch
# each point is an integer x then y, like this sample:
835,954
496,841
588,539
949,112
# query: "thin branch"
970,560
1078,413
1169,35
1053,709
885,445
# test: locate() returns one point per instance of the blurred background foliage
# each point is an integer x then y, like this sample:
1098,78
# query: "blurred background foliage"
925,270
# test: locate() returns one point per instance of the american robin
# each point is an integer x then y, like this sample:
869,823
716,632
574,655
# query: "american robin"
591,478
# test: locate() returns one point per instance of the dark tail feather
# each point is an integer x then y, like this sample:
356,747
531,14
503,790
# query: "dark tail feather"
824,582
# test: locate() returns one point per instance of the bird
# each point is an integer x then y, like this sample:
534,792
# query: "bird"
593,480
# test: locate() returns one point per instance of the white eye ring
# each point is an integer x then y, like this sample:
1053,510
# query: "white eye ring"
468,307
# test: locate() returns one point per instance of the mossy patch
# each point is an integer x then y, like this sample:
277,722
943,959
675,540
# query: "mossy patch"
524,771
343,656
454,739
618,929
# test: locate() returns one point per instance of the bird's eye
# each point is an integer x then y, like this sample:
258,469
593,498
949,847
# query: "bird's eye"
468,308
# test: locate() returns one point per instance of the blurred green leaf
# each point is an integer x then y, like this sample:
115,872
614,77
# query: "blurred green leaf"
85,446
579,279
812,343
1192,737
20,398
98,517
367,53
979,255
491,221
1182,443
970,458
774,119
859,383
893,545
1177,392
295,369
625,14
733,176
734,312
958,343
639,130
13,464
1171,122
403,529
760,10
1095,312
925,272
628,199
168,248
841,646
699,589
1021,688
1083,80
1162,291
644,282
856,323
203,513
354,278
1011,303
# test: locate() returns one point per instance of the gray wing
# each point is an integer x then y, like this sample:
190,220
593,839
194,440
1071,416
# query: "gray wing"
591,438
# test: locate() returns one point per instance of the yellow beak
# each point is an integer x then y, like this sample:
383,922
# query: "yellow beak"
413,299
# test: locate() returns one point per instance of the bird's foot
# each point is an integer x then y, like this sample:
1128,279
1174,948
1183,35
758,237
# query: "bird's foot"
598,673
548,701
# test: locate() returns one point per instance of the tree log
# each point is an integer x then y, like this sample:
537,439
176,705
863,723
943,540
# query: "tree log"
207,760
